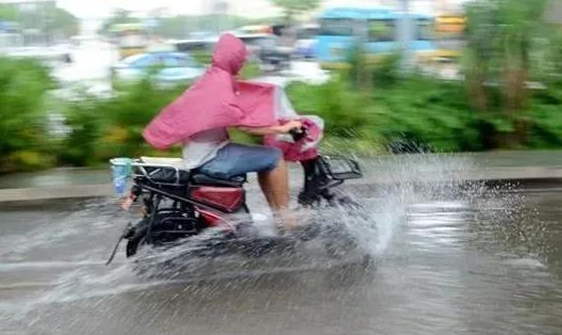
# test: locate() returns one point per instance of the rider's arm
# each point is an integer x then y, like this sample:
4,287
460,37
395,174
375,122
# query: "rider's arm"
281,129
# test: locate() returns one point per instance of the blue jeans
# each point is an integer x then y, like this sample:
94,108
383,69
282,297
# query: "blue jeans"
238,159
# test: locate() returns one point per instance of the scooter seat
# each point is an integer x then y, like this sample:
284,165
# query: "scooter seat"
199,178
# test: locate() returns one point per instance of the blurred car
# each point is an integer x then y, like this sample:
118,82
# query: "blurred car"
163,67
305,43
50,55
266,49
304,49
254,29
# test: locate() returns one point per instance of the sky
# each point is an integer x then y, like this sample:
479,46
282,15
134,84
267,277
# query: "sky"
250,8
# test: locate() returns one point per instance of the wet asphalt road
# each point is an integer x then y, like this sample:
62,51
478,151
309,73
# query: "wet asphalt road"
476,261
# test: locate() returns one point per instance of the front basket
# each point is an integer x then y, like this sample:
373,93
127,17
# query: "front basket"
340,168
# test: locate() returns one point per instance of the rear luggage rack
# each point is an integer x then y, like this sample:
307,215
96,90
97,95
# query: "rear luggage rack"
161,173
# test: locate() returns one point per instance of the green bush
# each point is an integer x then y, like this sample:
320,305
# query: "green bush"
367,71
124,116
250,70
436,115
202,56
83,119
430,112
398,109
104,128
386,72
545,119
347,113
24,129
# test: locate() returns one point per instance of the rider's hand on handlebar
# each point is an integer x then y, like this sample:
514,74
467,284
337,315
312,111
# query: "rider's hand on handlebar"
289,125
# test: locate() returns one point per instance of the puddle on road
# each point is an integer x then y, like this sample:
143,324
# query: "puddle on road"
447,234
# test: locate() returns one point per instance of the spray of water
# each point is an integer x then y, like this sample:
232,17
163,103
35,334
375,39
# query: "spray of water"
391,187
394,184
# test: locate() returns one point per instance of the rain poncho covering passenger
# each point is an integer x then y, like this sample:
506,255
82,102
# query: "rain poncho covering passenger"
216,100
219,100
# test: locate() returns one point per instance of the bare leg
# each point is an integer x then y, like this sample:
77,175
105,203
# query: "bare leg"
275,187
264,180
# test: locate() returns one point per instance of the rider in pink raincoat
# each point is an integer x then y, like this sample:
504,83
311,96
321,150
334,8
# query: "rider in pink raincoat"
199,119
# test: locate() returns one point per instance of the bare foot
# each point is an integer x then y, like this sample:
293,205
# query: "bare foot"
286,220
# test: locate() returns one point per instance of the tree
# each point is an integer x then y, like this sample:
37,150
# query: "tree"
61,22
294,7
120,16
51,20
8,12
502,37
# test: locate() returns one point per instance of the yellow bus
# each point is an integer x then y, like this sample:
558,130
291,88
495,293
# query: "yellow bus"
130,38
450,35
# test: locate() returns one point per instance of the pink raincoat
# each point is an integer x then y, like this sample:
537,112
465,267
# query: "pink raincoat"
219,100
216,100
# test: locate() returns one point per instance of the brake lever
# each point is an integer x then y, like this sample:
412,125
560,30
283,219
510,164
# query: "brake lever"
298,133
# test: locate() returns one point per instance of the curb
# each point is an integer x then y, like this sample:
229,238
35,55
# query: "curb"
527,177
55,192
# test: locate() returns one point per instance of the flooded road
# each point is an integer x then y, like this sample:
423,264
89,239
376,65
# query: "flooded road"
447,261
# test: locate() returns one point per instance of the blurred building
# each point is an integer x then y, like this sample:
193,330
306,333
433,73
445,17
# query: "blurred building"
247,8
10,35
31,16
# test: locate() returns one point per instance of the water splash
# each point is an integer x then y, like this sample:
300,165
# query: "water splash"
403,182
393,188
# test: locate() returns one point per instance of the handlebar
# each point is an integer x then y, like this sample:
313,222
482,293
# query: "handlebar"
298,133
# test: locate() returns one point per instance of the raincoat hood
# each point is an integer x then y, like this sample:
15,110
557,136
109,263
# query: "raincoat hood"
229,54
